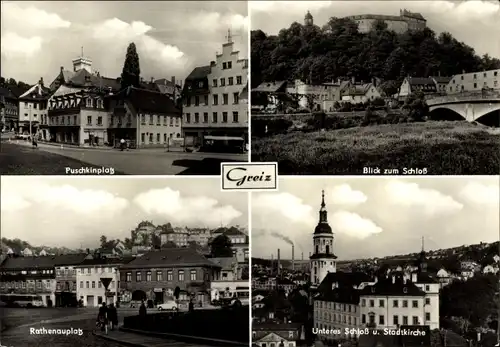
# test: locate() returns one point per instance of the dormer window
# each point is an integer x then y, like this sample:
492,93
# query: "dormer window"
88,102
200,84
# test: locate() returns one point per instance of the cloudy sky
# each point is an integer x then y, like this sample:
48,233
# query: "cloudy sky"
55,211
472,21
373,217
172,37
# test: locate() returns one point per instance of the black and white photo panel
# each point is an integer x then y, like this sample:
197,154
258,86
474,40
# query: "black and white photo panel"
376,87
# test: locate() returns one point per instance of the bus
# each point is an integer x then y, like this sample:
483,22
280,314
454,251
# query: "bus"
229,296
22,300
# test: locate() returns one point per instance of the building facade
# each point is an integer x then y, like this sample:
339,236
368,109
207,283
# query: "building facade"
212,100
411,85
9,106
156,274
323,261
90,287
406,21
32,109
143,117
29,275
474,82
66,282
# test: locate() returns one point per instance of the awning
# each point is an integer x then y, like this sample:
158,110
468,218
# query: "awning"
224,138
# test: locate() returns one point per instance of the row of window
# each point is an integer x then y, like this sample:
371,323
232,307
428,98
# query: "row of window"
89,103
166,120
96,270
336,306
495,73
41,106
215,118
339,318
99,284
68,286
395,319
158,138
485,85
215,100
25,272
395,303
193,276
25,284
230,81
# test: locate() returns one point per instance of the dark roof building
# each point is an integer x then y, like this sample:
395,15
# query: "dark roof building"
171,257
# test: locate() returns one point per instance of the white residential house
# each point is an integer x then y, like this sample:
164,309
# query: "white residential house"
90,288
27,252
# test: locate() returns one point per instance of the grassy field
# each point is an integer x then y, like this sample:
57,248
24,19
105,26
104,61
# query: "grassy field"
443,148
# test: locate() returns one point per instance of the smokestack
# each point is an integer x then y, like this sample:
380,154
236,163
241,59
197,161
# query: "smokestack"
293,257
302,255
278,260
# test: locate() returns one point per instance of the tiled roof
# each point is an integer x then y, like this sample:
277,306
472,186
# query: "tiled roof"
440,79
149,101
420,81
342,278
225,263
232,231
199,72
104,261
270,87
424,277
70,259
18,263
171,257
387,287
84,78
36,92
7,93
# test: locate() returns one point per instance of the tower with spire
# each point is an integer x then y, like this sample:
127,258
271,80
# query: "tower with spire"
82,63
322,260
308,19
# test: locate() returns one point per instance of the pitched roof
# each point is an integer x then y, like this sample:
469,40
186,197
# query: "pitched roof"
70,259
269,87
7,93
344,295
440,79
225,263
149,101
31,262
344,278
387,287
84,78
37,91
420,81
199,72
104,261
171,257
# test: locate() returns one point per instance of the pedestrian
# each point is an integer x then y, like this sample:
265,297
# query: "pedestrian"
113,316
102,318
142,310
191,305
122,144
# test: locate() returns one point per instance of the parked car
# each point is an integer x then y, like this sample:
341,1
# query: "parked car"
167,306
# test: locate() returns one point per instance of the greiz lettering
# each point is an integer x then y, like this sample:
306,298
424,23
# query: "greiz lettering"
238,175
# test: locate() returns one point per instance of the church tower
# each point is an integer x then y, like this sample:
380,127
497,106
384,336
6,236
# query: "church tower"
323,261
308,19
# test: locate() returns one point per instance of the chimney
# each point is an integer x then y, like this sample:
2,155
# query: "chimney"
414,277
40,82
293,257
212,63
142,79
152,80
278,264
302,255
62,68
374,82
172,79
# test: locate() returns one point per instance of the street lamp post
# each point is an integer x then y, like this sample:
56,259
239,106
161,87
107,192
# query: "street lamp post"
29,106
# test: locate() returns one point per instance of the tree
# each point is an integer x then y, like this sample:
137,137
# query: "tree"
156,241
131,68
311,101
417,107
221,247
128,243
104,241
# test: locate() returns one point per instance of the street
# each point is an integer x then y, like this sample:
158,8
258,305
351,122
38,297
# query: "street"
18,158
16,324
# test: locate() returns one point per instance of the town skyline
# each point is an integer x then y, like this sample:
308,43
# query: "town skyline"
376,217
76,212
467,21
46,36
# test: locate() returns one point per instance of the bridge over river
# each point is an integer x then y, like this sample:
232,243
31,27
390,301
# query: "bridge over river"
483,107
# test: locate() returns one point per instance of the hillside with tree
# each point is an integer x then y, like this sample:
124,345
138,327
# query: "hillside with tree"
338,50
